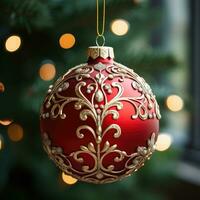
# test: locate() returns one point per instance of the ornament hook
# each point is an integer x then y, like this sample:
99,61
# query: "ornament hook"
100,40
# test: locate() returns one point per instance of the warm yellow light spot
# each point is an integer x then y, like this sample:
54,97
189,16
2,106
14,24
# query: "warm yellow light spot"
15,132
120,27
13,43
68,179
174,103
1,142
67,41
5,122
2,87
47,71
164,141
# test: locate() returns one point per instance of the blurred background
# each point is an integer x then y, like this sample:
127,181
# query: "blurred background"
42,39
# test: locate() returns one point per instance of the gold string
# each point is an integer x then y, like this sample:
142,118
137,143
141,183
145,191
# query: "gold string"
100,34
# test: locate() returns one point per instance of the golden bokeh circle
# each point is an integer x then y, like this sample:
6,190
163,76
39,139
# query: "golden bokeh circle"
2,87
15,132
47,71
67,41
120,27
68,179
13,43
1,142
174,103
5,122
164,141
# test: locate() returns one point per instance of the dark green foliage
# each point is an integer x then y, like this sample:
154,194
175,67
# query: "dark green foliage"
25,170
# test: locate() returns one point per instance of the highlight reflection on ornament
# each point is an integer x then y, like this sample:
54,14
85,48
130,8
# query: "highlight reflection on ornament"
100,120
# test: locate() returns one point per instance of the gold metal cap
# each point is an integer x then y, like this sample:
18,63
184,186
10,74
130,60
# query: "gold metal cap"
100,51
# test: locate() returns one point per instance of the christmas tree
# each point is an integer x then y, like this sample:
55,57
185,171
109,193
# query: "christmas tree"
27,71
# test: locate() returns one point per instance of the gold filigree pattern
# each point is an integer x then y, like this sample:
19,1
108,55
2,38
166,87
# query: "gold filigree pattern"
100,174
103,80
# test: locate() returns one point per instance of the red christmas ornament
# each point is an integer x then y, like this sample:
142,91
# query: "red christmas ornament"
100,120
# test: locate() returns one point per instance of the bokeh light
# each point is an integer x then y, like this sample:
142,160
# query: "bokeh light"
67,41
15,132
1,142
5,122
174,103
68,179
47,71
13,43
120,27
164,141
2,87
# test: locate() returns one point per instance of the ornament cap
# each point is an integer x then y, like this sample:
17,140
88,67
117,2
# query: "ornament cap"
100,51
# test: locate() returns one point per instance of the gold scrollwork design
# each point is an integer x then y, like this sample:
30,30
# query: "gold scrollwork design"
98,107
100,174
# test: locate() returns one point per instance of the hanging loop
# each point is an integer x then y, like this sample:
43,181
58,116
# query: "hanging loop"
100,40
100,34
